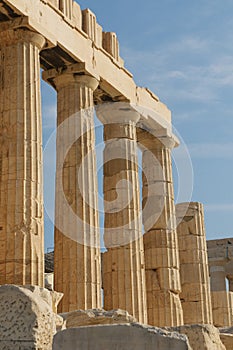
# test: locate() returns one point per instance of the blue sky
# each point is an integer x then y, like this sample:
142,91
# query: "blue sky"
183,51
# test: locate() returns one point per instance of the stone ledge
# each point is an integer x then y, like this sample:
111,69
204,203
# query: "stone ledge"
123,336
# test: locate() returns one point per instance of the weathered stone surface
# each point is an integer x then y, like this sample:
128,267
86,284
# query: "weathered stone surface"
222,309
77,252
220,257
227,340
49,280
160,240
27,318
194,270
21,191
49,262
114,337
220,250
123,262
201,337
97,316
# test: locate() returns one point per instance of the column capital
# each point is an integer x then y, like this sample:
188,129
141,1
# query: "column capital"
117,113
85,80
10,36
150,140
189,209
72,74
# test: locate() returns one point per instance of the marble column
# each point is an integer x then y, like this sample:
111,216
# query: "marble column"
21,192
160,238
77,246
194,269
123,262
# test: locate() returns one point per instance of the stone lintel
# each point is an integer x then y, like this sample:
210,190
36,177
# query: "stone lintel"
10,35
117,113
114,78
76,70
152,138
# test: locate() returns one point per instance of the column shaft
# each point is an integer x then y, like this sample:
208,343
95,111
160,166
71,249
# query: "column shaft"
123,263
194,269
160,238
218,278
77,246
21,198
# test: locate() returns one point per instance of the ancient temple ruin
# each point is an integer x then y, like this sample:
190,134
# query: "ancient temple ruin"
155,266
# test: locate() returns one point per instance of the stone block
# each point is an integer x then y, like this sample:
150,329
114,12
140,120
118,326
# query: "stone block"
99,35
161,257
193,292
201,337
192,273
77,15
89,23
93,317
164,309
221,309
55,3
27,320
160,239
110,44
193,312
165,278
115,337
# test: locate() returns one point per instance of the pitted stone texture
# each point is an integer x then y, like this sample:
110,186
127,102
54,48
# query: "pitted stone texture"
115,337
201,337
97,316
27,320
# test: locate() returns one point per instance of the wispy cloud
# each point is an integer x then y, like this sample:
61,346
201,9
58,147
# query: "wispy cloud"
219,207
49,114
191,69
211,150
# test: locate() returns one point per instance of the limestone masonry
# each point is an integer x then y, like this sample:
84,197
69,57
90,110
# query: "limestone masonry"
157,270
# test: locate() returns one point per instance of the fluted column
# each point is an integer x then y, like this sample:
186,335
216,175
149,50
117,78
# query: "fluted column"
123,263
77,247
21,193
194,269
160,238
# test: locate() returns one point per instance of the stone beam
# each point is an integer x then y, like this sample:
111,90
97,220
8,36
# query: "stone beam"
43,17
220,251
